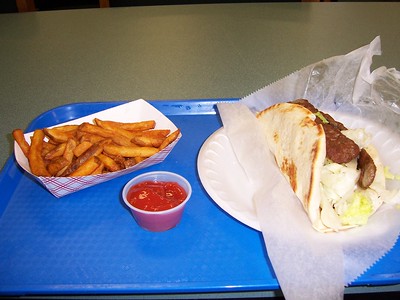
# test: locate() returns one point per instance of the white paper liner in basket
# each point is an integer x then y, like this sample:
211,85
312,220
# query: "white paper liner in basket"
309,264
134,111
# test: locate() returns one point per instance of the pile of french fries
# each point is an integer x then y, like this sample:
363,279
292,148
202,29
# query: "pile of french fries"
90,149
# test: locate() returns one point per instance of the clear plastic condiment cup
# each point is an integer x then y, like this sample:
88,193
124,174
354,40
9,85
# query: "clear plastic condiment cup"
158,220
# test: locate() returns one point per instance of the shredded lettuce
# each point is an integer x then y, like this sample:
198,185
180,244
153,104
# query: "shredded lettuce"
343,201
321,116
339,187
359,208
338,181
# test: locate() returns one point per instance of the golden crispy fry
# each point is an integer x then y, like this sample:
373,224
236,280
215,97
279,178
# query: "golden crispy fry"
18,135
148,141
120,160
61,172
57,164
94,150
169,139
97,130
82,147
88,149
57,151
150,138
68,155
69,150
153,133
47,147
88,137
135,126
122,140
139,159
59,135
114,128
98,170
67,128
109,163
87,168
130,151
36,162
129,162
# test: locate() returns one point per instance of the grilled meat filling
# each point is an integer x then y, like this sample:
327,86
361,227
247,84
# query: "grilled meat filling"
339,148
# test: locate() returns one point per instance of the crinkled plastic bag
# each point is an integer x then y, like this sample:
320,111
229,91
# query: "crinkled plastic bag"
341,83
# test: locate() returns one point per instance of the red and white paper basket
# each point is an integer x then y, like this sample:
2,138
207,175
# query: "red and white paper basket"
134,111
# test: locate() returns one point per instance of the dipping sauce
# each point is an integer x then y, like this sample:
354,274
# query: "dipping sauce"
156,195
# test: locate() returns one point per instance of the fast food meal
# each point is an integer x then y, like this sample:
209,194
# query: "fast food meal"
89,149
335,172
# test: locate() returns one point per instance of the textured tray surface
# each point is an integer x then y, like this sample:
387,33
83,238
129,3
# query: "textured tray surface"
88,242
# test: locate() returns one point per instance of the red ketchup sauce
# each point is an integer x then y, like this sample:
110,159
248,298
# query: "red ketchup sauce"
156,195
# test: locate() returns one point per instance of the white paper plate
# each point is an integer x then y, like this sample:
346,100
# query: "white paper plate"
226,182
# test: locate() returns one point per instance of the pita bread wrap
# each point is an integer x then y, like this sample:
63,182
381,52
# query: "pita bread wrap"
329,192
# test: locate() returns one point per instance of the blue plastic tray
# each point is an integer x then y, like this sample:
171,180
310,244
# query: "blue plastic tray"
88,242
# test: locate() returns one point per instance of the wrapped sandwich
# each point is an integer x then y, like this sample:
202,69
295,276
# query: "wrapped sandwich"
334,171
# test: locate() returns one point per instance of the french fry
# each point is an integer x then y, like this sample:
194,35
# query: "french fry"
57,151
130,151
169,139
114,128
18,135
122,140
35,159
120,160
67,128
135,126
89,149
69,150
47,147
98,170
87,168
97,130
82,147
153,133
57,164
109,163
139,159
88,137
94,150
59,134
129,162
145,141
150,138
68,155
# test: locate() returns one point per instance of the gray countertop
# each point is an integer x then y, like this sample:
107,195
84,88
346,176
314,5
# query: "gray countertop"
48,59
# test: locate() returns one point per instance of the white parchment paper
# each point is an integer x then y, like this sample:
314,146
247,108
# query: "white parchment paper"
309,264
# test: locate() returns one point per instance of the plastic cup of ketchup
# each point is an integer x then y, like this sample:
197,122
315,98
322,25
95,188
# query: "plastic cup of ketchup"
157,199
